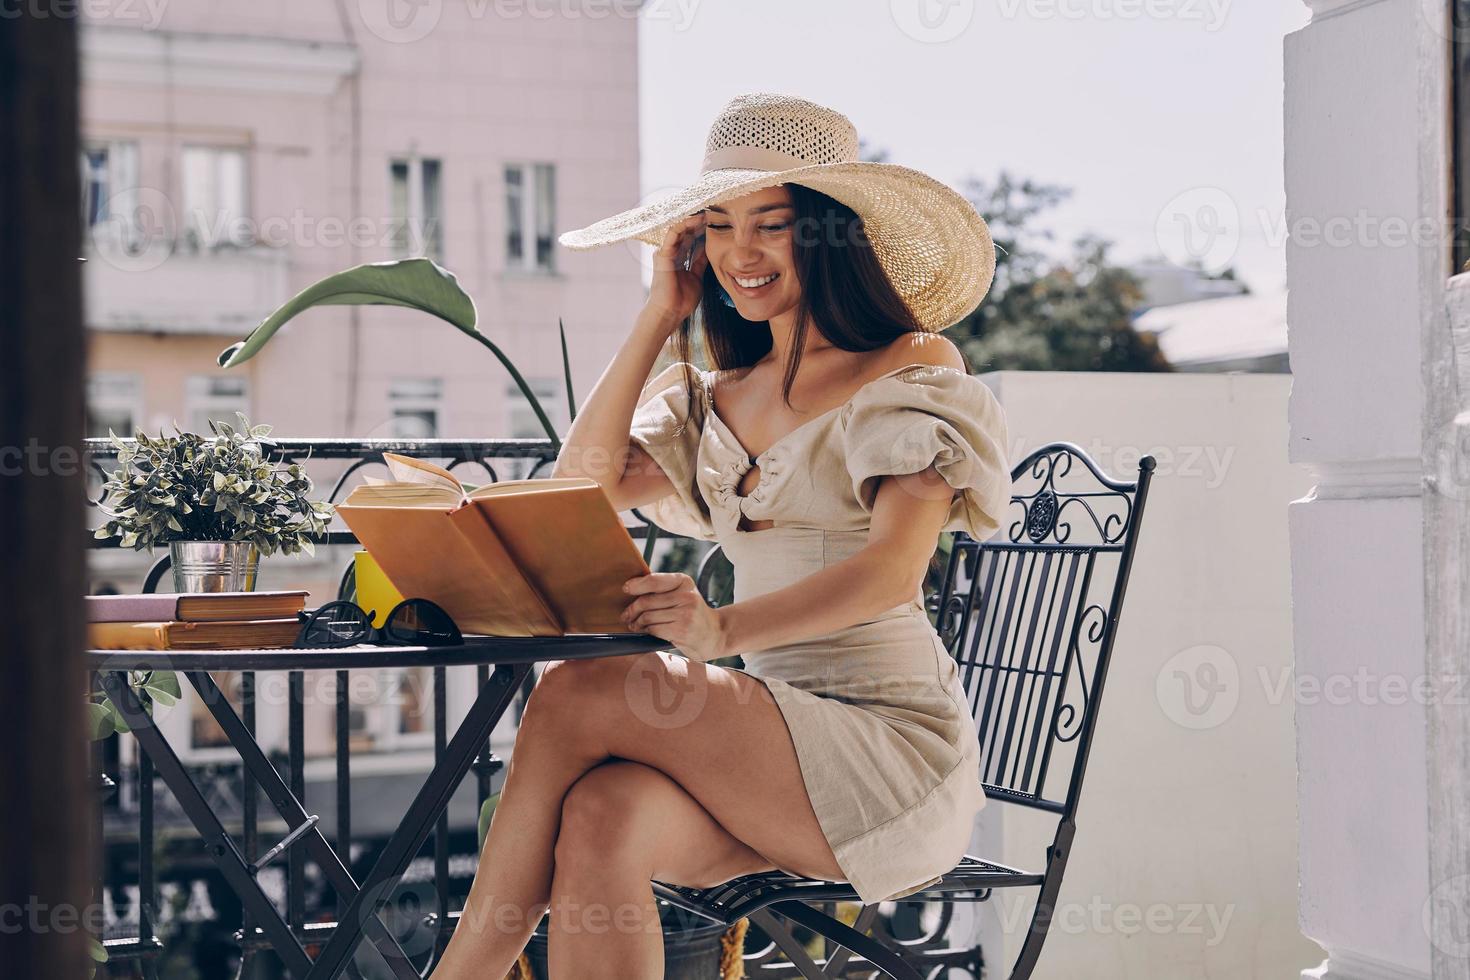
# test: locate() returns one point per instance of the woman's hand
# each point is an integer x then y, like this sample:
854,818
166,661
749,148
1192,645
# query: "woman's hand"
675,291
669,606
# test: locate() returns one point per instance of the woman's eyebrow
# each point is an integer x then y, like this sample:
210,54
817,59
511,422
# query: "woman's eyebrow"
759,210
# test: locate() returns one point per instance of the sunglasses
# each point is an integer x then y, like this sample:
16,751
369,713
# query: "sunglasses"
413,622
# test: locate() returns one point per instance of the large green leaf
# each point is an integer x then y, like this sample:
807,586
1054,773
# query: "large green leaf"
417,284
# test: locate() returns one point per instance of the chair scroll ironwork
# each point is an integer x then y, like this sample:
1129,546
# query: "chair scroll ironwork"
1030,617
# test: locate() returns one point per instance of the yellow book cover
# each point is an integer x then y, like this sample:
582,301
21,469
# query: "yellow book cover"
255,634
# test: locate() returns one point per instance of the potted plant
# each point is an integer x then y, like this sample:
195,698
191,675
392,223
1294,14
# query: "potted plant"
219,502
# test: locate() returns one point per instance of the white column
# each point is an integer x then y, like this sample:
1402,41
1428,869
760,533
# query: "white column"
1375,577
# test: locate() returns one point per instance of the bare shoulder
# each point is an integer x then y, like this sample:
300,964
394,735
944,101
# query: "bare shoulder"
922,347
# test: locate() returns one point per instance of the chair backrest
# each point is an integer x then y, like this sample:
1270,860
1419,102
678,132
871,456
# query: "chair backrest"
1030,616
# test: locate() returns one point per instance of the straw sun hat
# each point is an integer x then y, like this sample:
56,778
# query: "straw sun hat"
934,246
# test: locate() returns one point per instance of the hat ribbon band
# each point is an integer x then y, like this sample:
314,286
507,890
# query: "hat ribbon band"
749,158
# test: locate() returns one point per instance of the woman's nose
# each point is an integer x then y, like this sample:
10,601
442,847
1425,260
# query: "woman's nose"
744,246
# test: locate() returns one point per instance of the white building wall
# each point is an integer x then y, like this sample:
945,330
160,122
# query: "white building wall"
1184,863
1378,546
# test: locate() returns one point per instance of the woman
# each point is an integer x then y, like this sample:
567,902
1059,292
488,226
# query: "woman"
838,436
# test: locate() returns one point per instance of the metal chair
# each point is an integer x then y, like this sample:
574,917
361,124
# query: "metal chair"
1030,617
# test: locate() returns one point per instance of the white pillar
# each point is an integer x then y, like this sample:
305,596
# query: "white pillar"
1378,546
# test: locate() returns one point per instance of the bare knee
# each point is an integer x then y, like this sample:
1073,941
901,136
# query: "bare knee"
564,684
564,700
604,829
572,697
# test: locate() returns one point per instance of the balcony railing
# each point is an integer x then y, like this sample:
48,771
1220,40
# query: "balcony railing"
151,853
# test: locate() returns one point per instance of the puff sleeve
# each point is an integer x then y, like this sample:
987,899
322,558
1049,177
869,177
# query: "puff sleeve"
930,414
667,426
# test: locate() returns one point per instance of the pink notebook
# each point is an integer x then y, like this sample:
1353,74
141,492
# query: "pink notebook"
194,607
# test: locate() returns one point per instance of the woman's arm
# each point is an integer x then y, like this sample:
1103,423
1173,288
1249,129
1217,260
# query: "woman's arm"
908,513
597,445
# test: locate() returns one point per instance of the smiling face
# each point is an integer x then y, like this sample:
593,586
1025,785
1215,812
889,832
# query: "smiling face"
748,242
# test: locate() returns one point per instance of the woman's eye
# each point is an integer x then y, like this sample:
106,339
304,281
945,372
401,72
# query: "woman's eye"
774,227
711,227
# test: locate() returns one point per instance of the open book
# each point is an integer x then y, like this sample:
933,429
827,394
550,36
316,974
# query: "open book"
516,558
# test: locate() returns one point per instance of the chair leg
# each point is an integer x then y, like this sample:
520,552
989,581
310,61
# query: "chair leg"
839,958
880,956
1036,932
786,942
1046,902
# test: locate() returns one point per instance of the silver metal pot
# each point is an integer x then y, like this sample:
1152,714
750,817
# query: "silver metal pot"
214,566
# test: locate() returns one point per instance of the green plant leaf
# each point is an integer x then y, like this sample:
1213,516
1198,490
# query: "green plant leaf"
566,370
99,720
417,283
119,724
163,685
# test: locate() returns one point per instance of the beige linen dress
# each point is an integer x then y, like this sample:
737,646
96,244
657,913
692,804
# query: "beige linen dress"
877,712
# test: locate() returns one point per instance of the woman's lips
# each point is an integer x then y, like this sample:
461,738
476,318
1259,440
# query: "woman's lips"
758,290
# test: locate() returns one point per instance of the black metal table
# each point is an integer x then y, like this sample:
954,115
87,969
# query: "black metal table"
511,659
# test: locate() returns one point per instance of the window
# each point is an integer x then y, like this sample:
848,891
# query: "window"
107,169
209,396
114,401
414,406
416,202
530,216
214,197
523,421
204,731
390,709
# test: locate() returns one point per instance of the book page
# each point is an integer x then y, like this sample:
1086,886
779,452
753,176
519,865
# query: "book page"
519,486
404,495
406,469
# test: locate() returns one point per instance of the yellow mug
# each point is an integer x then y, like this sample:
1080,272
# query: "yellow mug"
374,592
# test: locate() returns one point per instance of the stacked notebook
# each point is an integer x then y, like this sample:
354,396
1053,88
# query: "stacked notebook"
194,620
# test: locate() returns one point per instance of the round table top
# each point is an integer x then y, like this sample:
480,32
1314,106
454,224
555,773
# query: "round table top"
476,649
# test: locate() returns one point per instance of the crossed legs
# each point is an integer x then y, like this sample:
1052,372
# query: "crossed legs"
627,769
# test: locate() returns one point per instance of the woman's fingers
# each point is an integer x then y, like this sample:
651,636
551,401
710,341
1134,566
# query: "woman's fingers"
676,231
659,591
664,255
654,617
656,582
654,601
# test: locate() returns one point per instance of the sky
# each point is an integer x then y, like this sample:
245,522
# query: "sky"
1163,117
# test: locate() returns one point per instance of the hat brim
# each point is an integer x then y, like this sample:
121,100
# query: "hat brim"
934,246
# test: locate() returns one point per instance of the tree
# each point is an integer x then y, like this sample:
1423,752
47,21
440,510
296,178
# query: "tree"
1047,315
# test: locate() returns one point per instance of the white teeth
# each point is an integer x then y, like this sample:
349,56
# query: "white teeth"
753,283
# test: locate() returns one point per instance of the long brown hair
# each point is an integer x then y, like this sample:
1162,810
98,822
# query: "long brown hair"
845,295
